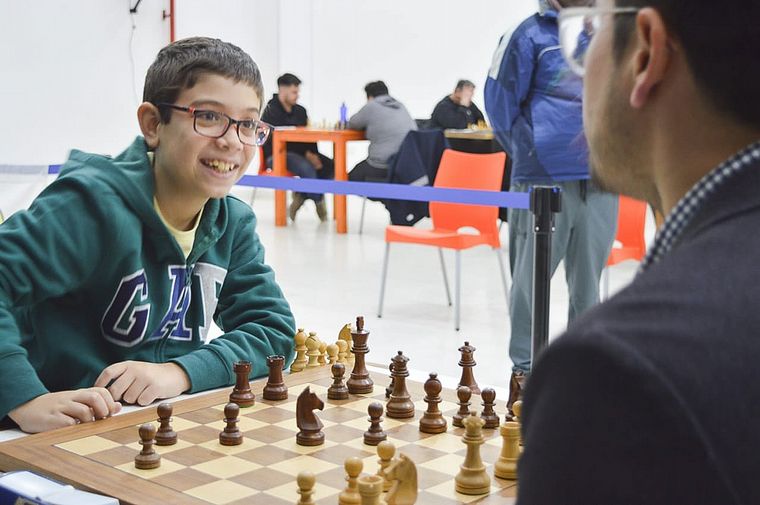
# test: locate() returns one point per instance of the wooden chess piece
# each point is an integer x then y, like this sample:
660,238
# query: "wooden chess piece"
305,481
360,382
463,394
472,478
506,466
467,363
400,405
488,415
241,393
433,421
345,335
275,388
370,489
231,434
332,354
375,434
389,389
350,495
301,360
312,344
385,452
516,413
309,426
342,351
148,457
165,434
403,476
338,390
322,353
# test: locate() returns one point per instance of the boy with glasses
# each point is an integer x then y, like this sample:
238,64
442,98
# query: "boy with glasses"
534,102
110,281
654,396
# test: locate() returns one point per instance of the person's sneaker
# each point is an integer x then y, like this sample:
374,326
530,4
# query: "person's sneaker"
296,204
321,210
516,386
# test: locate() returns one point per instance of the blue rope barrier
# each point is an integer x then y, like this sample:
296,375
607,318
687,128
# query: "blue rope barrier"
382,190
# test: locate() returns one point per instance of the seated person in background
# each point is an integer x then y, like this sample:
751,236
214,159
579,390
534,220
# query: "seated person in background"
457,110
386,122
110,281
304,159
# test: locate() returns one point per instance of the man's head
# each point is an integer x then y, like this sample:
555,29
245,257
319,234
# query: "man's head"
288,89
375,89
463,92
194,86
655,72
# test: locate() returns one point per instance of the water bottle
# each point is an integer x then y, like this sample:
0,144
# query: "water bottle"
343,123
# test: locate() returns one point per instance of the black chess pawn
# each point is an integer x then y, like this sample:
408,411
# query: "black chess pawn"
463,395
338,390
148,457
231,434
375,434
165,434
488,415
432,420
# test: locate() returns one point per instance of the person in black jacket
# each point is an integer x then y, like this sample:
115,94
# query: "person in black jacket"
304,159
457,109
654,396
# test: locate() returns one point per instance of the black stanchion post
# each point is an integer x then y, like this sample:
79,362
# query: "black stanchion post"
545,201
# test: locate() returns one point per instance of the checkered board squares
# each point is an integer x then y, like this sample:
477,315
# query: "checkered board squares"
263,468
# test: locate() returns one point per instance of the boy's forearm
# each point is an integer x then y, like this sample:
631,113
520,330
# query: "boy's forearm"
21,381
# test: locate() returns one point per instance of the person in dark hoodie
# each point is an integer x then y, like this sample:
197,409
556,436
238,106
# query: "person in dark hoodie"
386,122
303,158
457,110
109,282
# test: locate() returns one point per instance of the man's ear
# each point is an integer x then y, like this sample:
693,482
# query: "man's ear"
650,55
149,118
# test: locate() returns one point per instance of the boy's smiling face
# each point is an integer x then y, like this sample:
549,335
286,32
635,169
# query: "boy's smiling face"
196,167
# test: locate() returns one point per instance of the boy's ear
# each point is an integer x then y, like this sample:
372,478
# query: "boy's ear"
149,118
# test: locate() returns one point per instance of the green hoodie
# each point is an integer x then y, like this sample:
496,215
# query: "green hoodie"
90,276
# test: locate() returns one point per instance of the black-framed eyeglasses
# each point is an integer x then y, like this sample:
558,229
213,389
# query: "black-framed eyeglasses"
577,27
213,124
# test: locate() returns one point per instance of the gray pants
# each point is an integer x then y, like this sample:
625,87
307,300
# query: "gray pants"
583,236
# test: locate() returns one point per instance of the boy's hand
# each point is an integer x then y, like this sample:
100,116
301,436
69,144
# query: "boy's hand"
142,382
314,159
64,408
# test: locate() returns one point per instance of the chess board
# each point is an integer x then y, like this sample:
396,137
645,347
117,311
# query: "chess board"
99,456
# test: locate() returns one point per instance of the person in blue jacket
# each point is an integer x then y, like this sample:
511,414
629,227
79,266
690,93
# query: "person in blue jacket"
534,102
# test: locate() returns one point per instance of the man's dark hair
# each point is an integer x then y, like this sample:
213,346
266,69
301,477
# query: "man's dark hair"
288,80
376,88
721,44
179,65
464,83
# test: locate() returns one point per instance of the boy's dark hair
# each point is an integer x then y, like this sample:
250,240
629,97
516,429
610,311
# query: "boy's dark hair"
376,88
179,65
288,80
464,83
721,45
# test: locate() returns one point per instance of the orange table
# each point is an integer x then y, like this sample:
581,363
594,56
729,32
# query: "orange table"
279,165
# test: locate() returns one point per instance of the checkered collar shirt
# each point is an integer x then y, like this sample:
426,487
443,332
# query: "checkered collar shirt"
688,207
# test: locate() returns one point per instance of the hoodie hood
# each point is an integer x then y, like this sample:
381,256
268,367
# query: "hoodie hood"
130,176
387,101
546,8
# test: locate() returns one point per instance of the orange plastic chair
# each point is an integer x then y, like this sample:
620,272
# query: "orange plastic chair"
629,240
465,171
264,170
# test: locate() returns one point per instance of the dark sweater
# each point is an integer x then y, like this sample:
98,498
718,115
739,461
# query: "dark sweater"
276,115
448,114
654,396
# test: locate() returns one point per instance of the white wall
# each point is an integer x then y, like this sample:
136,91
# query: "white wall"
66,76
